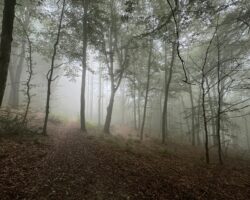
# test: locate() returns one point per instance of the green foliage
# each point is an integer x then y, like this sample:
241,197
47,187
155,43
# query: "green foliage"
11,123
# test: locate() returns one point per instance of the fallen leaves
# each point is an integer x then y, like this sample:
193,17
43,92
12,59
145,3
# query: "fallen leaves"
70,165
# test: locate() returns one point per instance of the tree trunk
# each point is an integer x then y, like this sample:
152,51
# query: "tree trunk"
198,120
220,94
30,66
91,96
139,109
109,113
106,128
123,104
205,117
210,101
5,45
84,65
51,71
147,90
167,86
134,103
28,85
100,97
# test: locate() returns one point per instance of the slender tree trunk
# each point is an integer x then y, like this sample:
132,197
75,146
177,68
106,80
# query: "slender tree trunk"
87,97
109,113
30,67
123,104
51,71
5,45
134,109
30,72
113,88
84,64
160,112
134,99
139,109
106,129
205,117
147,90
204,91
100,97
219,90
91,96
198,120
210,101
168,79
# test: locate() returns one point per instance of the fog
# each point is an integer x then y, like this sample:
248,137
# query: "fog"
166,79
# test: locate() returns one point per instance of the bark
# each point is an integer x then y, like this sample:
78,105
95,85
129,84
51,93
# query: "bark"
5,45
51,71
109,113
168,78
210,101
123,101
198,120
147,89
139,109
30,74
205,119
91,95
134,109
110,64
160,111
100,97
115,77
30,66
84,66
220,94
106,129
204,91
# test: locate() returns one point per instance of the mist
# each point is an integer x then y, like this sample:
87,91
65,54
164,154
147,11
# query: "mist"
124,99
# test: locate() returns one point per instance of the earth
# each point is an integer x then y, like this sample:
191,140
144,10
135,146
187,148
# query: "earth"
69,164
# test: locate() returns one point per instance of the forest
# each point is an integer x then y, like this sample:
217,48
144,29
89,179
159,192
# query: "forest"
124,99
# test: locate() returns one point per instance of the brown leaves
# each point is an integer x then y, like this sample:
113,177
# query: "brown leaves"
87,167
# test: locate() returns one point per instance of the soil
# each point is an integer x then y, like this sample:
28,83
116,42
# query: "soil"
69,164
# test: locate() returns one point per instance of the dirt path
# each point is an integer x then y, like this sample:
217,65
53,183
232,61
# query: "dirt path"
76,166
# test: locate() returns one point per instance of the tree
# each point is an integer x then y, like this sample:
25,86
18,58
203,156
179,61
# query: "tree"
50,73
23,13
85,4
5,45
204,92
29,70
147,87
168,78
220,98
118,48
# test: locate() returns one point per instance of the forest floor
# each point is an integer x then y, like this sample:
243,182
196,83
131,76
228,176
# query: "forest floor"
71,165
